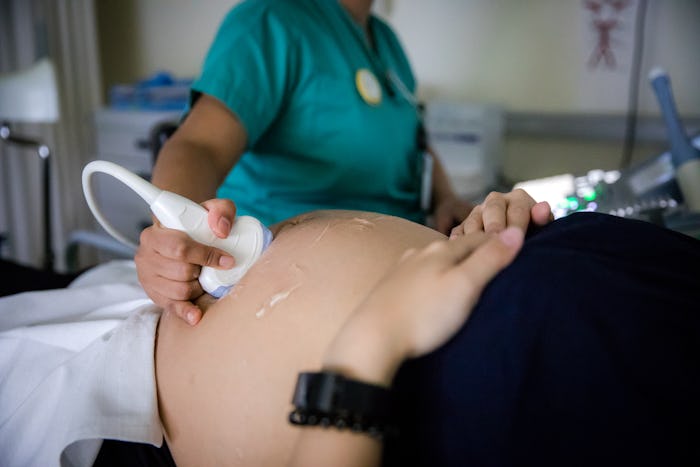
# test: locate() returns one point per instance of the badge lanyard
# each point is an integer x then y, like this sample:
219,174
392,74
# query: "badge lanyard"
370,89
366,79
403,90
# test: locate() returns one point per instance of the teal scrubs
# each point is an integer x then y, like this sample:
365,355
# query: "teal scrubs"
287,69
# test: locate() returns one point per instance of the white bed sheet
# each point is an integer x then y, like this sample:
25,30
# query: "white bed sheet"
76,367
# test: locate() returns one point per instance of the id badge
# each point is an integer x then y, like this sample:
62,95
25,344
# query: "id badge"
427,182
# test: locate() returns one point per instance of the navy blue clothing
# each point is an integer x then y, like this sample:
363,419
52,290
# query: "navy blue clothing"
585,351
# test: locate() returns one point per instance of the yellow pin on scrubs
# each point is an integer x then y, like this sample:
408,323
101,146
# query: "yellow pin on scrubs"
368,86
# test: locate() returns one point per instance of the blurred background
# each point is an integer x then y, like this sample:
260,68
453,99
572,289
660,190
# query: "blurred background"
548,87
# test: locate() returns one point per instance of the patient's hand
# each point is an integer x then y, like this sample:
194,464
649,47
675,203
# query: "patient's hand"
449,212
419,305
501,210
169,262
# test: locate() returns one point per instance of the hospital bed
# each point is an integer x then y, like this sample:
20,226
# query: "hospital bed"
62,357
50,328
74,341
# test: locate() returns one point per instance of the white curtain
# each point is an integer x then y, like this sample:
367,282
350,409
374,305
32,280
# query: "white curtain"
65,31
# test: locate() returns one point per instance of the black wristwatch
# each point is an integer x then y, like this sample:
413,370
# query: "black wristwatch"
330,399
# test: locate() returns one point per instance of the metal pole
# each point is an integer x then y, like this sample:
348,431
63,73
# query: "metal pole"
44,154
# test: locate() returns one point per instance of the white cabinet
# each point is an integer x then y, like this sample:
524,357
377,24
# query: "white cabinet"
468,139
124,137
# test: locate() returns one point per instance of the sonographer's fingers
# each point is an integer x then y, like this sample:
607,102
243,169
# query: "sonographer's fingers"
221,215
187,290
176,270
178,246
171,295
168,263
184,310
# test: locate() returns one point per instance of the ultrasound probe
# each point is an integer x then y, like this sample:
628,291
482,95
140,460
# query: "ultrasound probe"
246,241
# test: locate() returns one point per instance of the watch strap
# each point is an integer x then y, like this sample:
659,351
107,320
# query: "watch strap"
331,399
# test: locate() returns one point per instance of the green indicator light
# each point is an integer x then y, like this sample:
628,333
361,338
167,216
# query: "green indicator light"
573,203
590,196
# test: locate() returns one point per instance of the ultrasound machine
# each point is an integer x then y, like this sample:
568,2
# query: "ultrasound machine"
664,189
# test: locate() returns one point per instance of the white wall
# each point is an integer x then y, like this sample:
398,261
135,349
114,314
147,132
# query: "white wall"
141,37
531,55
528,55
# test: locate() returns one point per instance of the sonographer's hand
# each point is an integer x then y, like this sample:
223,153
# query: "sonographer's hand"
168,262
501,210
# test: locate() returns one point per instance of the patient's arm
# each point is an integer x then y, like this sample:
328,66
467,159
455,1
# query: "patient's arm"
225,385
417,307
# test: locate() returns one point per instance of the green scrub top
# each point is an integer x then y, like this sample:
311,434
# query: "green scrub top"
288,70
